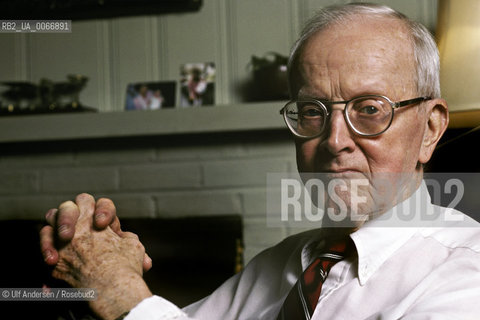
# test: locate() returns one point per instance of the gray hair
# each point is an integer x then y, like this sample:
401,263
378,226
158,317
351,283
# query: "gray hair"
425,50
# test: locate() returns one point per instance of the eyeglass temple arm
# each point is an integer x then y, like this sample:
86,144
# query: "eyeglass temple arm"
282,111
410,101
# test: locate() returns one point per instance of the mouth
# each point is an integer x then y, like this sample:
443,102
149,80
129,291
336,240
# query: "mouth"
342,170
344,173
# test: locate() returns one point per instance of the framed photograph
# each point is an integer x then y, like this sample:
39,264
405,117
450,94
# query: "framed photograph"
150,95
197,84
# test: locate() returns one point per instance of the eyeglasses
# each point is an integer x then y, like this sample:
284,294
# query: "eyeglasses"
368,115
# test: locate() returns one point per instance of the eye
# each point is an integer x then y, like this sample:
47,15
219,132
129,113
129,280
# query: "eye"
310,111
368,109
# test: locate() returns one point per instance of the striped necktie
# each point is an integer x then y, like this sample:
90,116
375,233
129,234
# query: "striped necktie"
303,297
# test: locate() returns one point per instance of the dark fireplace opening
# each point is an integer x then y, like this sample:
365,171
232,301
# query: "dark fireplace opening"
191,257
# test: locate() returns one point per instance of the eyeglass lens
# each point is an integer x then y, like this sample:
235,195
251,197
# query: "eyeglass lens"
365,115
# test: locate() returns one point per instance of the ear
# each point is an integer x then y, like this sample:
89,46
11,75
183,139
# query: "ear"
437,122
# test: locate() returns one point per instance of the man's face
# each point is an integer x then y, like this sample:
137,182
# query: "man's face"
365,56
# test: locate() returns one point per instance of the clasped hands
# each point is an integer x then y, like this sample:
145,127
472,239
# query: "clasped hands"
86,247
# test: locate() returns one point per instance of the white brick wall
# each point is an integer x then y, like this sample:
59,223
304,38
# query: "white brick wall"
178,177
79,179
160,176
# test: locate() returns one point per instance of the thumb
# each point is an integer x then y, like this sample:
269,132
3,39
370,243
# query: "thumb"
86,206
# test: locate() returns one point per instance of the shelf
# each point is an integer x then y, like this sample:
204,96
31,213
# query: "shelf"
72,126
223,118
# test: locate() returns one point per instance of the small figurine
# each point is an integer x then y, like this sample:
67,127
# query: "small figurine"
47,96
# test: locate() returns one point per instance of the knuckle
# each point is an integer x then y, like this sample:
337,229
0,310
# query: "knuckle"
132,235
66,205
133,241
105,201
68,212
81,243
84,197
105,209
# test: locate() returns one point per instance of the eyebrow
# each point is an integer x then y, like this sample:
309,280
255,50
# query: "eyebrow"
307,97
322,100
328,101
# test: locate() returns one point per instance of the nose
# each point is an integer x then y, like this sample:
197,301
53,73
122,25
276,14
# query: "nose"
338,134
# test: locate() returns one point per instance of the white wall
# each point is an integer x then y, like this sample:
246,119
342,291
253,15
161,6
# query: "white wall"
164,177
114,52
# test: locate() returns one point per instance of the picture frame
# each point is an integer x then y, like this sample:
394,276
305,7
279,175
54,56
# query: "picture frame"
150,95
197,84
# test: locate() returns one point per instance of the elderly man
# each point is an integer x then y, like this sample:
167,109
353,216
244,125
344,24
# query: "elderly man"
365,103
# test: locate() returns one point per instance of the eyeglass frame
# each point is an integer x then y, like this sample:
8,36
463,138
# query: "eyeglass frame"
322,104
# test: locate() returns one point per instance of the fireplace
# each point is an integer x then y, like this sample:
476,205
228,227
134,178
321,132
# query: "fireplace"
191,257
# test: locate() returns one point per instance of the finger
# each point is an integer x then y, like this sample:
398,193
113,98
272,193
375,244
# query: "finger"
86,207
147,263
105,213
50,217
67,216
115,225
63,274
130,235
50,254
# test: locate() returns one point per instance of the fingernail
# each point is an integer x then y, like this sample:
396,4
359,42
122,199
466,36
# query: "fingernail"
63,229
100,216
47,255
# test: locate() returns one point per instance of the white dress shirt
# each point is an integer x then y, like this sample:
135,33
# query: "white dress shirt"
404,270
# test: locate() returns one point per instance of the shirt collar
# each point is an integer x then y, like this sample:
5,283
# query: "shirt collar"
375,245
378,239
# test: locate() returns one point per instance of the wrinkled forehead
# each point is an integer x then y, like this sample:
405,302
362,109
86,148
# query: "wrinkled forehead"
366,49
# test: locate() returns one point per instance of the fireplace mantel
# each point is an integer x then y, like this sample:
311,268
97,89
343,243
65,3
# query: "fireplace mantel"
219,119
75,126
